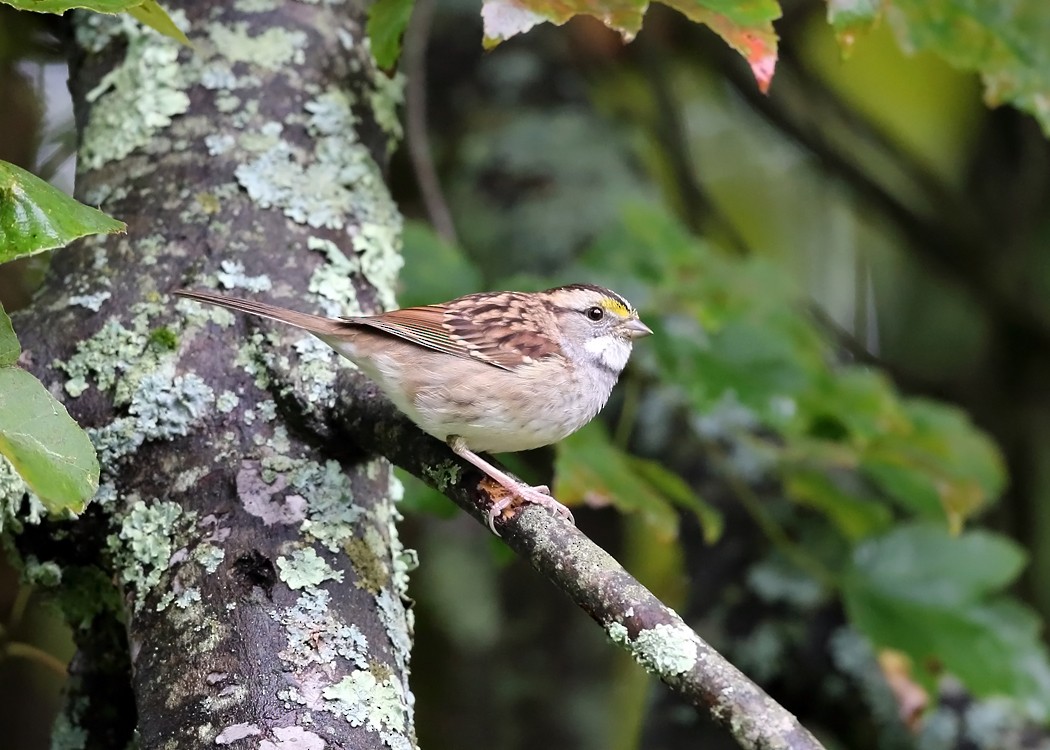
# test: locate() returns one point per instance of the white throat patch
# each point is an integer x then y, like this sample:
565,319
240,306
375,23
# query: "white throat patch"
613,352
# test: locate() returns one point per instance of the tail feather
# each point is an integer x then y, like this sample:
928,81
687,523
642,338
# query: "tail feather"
313,323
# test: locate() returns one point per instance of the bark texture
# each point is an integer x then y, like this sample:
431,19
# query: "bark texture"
260,571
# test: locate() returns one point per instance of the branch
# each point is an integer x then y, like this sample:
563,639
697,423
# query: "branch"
417,134
632,616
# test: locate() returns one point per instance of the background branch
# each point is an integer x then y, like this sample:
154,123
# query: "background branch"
634,618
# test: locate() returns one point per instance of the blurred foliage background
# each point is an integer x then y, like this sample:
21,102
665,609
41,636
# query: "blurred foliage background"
833,456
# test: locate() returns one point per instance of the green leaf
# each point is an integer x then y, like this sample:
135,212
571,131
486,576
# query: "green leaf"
746,25
1001,42
35,217
677,492
937,598
147,12
851,18
387,20
9,348
853,514
61,6
47,448
937,464
151,14
590,469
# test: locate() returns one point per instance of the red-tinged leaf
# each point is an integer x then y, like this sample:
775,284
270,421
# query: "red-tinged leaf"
756,42
746,25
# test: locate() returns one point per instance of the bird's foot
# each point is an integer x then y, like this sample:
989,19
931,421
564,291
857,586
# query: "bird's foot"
538,495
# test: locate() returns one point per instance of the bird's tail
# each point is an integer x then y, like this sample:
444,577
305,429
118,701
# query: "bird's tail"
314,323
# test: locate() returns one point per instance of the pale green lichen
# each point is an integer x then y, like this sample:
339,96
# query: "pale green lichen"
273,49
13,490
332,282
186,597
385,98
218,143
66,731
232,276
336,186
91,302
163,406
379,246
136,99
363,700
145,543
398,621
227,402
209,557
666,649
331,515
256,6
443,475
618,633
315,636
306,568
217,75
46,574
103,357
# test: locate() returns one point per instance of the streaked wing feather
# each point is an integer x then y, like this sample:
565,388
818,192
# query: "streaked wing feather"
502,329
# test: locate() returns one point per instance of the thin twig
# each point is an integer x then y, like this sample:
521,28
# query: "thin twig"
416,133
32,653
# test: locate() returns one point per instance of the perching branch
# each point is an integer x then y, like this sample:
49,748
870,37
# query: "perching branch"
631,615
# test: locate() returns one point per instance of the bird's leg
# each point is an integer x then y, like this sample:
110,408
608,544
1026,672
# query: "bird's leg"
538,495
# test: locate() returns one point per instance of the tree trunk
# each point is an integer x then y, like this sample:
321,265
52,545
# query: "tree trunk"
260,569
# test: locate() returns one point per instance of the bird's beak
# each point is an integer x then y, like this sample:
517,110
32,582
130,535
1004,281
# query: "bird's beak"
636,328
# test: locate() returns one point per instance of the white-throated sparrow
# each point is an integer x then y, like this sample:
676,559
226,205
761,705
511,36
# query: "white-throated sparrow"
496,371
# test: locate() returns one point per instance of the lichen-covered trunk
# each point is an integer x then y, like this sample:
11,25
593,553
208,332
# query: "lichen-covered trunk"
259,566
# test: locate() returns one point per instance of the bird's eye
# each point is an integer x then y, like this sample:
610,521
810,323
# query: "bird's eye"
595,313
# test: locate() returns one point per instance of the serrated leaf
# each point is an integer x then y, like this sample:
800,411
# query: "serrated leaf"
938,464
61,6
1001,42
151,14
52,454
746,25
148,12
387,20
34,216
9,347
936,597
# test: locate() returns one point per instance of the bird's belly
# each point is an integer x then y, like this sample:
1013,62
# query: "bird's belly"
496,411
513,415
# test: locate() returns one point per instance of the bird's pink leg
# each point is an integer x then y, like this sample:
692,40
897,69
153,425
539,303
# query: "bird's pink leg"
538,495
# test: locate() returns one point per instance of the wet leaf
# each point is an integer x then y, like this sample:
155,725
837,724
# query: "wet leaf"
387,20
34,216
47,448
746,25
938,598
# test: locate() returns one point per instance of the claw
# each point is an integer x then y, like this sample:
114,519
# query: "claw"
539,495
